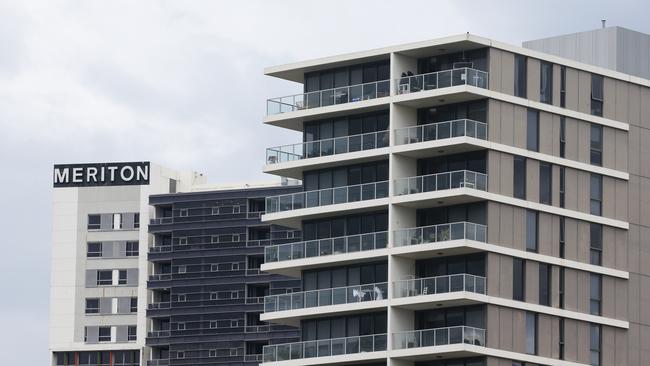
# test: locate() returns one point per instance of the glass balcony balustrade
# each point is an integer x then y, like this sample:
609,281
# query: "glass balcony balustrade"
327,147
441,181
327,196
439,337
439,285
325,347
326,297
440,233
322,98
323,247
440,131
442,79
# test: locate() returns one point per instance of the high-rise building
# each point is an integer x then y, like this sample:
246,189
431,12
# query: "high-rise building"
465,202
99,264
206,290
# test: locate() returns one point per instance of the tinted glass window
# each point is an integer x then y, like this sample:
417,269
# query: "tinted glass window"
546,83
519,175
532,130
518,279
544,284
531,230
531,333
596,145
545,183
520,76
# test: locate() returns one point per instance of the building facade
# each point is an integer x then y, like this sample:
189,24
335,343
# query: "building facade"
465,202
99,264
206,290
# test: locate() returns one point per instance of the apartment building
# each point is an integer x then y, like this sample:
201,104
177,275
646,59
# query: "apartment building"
206,290
99,265
465,202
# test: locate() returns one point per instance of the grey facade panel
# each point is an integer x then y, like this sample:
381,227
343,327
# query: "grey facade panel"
127,221
105,305
122,333
91,278
106,222
132,277
107,249
92,334
123,305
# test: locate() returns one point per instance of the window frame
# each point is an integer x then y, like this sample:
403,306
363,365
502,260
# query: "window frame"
595,299
562,86
546,190
96,226
99,334
596,198
519,178
130,252
94,254
519,279
597,94
104,282
532,142
93,310
520,76
122,277
534,245
596,146
131,333
546,91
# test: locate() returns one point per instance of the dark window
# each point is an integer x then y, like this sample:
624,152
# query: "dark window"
595,296
531,230
104,334
561,288
532,130
562,186
596,95
131,248
596,145
596,194
92,306
136,220
545,183
519,175
94,222
546,82
520,76
561,339
122,280
94,250
595,342
562,237
562,137
132,333
544,284
531,333
104,278
595,244
563,86
134,305
518,279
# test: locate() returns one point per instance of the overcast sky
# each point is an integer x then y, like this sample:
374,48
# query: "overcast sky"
180,83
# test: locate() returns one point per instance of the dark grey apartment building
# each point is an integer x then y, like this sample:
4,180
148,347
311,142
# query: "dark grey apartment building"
206,290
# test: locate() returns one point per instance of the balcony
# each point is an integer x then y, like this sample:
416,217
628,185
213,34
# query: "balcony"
439,337
328,97
439,285
327,347
159,305
441,181
440,233
160,249
326,297
327,147
161,221
326,197
158,334
441,79
441,131
325,247
160,362
160,277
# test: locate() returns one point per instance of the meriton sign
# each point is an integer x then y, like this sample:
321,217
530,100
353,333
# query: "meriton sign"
101,174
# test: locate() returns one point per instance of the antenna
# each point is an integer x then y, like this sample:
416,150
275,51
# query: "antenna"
603,21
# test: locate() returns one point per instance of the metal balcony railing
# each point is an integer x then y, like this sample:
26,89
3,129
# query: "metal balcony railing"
325,347
441,181
439,285
327,147
439,337
439,233
327,196
161,220
441,79
160,277
440,131
159,362
159,305
158,333
325,297
322,98
323,247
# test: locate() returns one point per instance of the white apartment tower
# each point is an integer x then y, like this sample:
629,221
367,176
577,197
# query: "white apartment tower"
465,202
